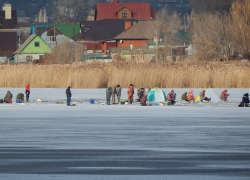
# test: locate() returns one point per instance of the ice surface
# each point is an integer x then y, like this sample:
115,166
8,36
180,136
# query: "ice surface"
191,128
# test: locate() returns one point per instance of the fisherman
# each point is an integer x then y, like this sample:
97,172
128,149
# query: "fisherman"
113,94
140,93
118,93
143,100
8,97
130,93
108,95
224,95
20,97
68,94
203,97
171,98
184,97
27,92
191,96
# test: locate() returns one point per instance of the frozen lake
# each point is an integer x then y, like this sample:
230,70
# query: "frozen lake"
92,141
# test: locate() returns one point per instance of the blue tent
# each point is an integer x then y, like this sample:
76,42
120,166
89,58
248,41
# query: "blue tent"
156,95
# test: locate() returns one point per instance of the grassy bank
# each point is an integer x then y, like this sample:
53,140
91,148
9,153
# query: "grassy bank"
102,75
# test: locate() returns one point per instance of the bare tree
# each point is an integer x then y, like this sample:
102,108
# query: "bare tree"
241,17
73,11
211,6
212,35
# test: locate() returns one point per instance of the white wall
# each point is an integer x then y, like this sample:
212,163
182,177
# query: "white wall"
22,57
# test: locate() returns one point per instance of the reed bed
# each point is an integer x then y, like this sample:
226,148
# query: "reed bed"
102,75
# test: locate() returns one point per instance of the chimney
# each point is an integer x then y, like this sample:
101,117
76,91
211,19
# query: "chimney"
127,25
7,9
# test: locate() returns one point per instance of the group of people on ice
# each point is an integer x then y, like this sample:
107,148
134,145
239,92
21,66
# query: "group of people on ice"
170,98
19,98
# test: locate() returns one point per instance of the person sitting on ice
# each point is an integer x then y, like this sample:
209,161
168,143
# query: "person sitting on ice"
171,98
245,101
8,97
184,97
143,100
224,95
203,97
20,97
191,97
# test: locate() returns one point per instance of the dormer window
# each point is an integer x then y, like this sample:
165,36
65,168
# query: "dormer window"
124,14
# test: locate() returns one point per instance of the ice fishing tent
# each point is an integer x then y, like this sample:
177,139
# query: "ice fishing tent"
210,94
156,95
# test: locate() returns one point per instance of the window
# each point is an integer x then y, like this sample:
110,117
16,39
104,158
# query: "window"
28,58
124,14
40,56
37,44
51,39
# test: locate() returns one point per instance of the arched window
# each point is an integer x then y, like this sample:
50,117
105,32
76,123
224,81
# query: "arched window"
124,14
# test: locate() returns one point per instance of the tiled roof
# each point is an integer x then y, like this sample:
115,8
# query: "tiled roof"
142,30
108,10
8,23
106,29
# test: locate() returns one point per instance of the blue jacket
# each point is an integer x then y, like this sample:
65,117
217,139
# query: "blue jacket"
245,98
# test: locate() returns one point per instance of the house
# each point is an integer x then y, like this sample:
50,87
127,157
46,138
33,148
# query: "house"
138,35
69,30
100,36
53,37
8,32
33,48
120,10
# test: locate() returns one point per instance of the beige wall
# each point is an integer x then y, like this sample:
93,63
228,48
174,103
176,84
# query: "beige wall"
21,58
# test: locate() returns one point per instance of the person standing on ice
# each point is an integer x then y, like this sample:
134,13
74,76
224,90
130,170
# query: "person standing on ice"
191,96
27,92
203,97
118,93
113,94
140,92
68,93
108,95
130,93
224,95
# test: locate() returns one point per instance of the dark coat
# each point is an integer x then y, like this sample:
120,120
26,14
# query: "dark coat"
114,90
68,92
245,98
8,96
118,91
109,92
184,96
20,96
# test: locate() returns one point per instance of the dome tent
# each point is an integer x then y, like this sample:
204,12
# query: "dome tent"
210,94
156,95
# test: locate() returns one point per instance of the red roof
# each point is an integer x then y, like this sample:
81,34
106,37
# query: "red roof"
108,10
91,46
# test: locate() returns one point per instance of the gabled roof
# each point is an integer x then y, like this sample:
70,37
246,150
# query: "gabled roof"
69,30
108,10
8,23
21,48
106,29
142,30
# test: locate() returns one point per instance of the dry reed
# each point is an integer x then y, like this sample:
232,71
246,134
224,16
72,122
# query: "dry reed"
102,75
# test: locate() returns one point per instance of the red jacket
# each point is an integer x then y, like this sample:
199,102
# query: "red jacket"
224,94
130,91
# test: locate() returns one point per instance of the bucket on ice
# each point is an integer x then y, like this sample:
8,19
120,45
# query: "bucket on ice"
92,101
18,101
122,101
